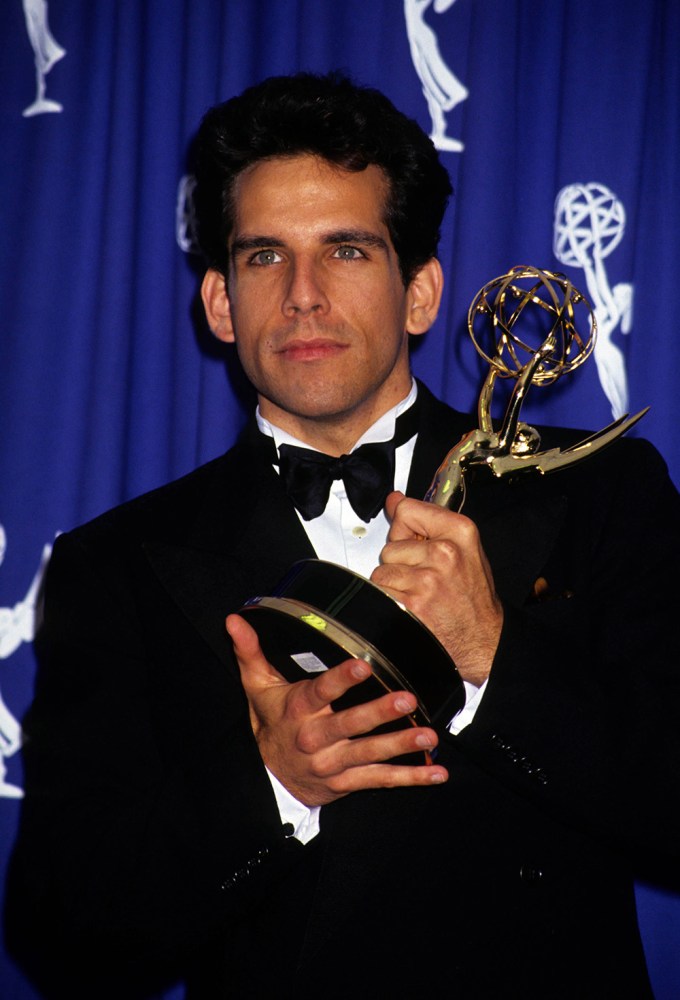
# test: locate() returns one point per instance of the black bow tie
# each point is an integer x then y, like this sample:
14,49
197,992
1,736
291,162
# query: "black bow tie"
368,473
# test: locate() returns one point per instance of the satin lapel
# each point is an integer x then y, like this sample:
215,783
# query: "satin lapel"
242,538
440,429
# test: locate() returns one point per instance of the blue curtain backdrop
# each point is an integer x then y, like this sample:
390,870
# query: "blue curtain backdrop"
559,122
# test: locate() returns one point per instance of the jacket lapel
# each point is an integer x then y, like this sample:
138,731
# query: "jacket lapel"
242,536
519,521
440,428
519,524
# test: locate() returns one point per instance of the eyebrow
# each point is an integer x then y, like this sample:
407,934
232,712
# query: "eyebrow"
363,237
246,243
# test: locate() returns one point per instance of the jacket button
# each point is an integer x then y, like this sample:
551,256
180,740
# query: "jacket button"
530,874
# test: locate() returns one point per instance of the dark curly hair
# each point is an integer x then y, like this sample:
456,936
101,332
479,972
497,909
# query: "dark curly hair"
331,117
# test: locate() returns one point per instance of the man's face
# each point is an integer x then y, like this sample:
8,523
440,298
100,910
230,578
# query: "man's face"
314,298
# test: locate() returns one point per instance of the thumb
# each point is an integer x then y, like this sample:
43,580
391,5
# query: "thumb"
392,502
256,671
402,524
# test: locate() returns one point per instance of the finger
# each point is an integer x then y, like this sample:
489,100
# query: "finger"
255,668
355,779
380,748
380,579
409,552
392,502
400,510
417,519
330,685
335,727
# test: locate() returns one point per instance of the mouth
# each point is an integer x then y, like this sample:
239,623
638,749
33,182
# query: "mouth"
315,349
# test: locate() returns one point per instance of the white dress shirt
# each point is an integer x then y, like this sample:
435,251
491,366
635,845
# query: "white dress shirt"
340,536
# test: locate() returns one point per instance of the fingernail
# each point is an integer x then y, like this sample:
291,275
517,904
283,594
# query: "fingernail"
425,742
437,778
404,705
361,670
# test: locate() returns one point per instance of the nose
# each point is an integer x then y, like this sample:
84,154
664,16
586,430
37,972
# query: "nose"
305,292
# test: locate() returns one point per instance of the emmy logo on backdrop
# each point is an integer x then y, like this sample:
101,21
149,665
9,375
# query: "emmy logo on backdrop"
17,625
186,226
442,90
589,224
524,324
46,51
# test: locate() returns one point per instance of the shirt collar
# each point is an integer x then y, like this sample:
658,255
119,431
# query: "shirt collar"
381,430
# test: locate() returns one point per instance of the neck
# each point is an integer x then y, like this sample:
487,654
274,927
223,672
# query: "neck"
332,435
332,440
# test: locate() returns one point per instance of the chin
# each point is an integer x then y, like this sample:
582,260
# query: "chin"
326,402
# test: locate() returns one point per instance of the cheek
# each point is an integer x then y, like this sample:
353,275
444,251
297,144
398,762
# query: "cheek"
248,354
388,337
250,324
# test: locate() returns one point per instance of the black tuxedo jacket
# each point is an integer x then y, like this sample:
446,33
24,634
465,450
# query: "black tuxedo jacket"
151,847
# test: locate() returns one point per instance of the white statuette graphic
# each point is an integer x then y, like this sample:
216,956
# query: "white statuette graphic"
46,50
185,216
17,624
442,90
10,742
589,223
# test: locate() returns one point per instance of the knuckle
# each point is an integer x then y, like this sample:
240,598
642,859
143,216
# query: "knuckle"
338,784
445,550
383,576
307,740
319,769
417,604
321,766
467,530
429,579
297,700
425,590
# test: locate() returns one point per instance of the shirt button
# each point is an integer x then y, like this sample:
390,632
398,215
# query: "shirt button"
531,874
359,531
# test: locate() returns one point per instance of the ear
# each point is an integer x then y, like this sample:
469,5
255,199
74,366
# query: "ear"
217,306
423,296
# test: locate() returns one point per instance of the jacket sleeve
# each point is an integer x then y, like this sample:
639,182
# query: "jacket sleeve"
582,709
149,822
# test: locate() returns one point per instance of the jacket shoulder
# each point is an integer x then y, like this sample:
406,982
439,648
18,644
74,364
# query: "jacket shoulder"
168,510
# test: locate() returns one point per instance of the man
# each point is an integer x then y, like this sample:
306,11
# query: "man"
189,812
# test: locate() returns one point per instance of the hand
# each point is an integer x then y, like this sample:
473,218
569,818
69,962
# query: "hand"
309,747
434,564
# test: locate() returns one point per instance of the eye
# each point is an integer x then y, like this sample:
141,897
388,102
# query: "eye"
348,253
265,257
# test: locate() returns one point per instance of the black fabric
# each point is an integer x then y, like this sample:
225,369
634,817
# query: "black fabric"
151,846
